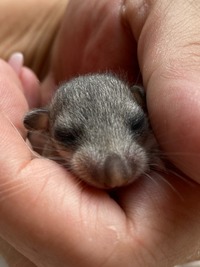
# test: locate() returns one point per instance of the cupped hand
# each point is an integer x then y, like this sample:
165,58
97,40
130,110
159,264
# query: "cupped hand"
161,36
55,221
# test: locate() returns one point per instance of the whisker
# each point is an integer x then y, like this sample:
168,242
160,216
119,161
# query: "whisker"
168,170
189,182
151,178
20,136
170,185
15,189
155,166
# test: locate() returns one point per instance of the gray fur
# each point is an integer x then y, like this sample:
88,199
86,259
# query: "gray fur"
99,129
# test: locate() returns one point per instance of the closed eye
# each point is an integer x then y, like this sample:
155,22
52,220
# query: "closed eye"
137,124
67,137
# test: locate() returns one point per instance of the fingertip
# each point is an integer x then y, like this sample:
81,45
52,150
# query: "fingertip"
31,85
29,81
16,61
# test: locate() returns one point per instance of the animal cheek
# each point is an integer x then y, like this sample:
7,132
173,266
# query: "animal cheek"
63,155
148,141
137,158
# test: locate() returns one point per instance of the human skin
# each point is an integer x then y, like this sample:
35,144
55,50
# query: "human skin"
53,221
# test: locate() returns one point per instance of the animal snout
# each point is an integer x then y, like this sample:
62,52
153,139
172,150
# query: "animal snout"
115,171
106,172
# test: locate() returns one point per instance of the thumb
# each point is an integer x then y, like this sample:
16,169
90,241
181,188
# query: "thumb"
169,56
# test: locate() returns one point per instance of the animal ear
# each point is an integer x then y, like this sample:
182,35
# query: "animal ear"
139,95
37,119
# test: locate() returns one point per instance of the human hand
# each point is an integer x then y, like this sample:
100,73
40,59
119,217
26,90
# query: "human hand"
51,220
169,63
168,52
149,223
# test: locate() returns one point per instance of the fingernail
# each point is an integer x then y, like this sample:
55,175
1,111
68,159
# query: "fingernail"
16,61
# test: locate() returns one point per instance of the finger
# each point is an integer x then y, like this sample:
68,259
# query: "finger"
97,43
12,101
30,83
16,61
31,87
168,49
